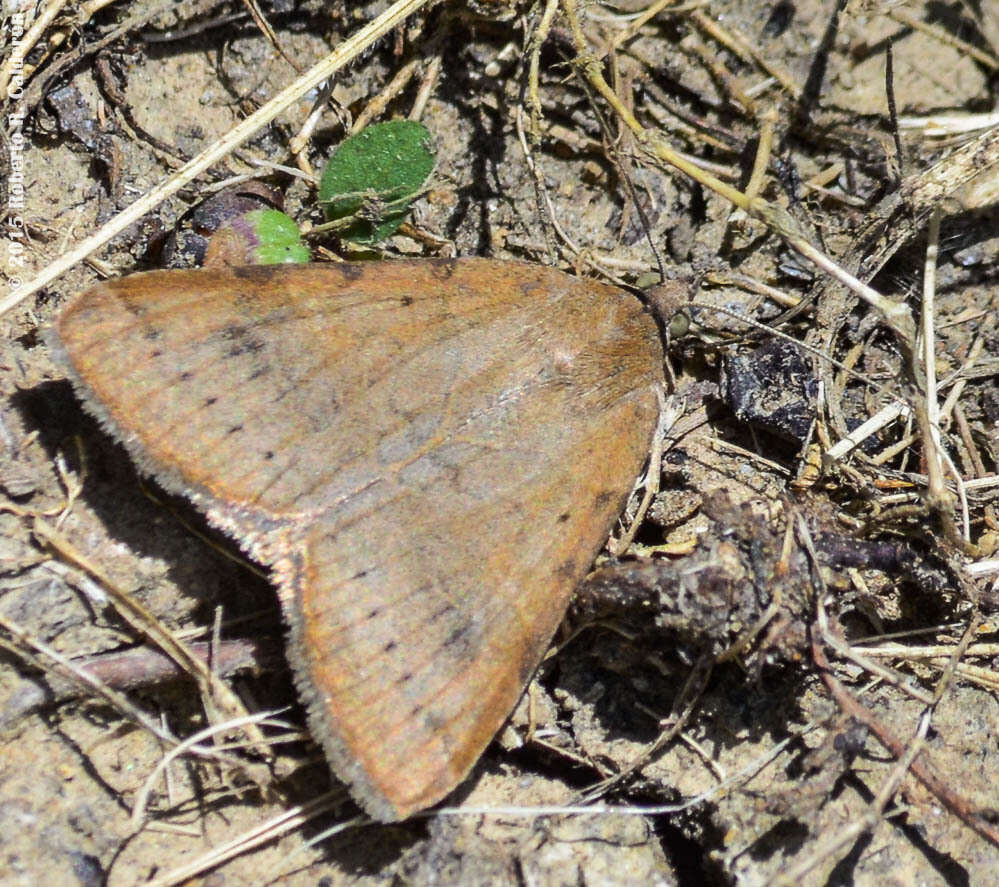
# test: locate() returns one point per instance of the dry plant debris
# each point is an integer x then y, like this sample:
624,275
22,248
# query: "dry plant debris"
785,671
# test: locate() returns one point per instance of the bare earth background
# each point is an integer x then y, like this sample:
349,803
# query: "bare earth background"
768,771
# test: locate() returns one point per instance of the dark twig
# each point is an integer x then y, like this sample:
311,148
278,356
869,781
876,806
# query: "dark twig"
126,670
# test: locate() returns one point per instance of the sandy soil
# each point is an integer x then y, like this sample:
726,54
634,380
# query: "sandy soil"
845,592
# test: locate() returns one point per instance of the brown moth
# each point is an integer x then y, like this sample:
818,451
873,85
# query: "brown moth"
428,454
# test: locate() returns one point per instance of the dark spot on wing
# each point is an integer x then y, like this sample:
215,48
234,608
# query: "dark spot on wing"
135,308
568,570
607,497
243,341
531,289
257,273
463,642
441,611
435,721
442,269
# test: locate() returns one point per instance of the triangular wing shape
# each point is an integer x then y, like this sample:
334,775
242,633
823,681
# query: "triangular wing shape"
429,453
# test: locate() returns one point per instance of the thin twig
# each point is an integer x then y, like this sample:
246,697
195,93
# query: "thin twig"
342,55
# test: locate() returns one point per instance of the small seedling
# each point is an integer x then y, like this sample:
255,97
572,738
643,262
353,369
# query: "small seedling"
278,237
257,237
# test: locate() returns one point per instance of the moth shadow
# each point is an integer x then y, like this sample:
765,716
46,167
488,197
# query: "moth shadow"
159,546
124,509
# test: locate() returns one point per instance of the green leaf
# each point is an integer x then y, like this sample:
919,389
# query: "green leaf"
279,240
256,237
374,176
